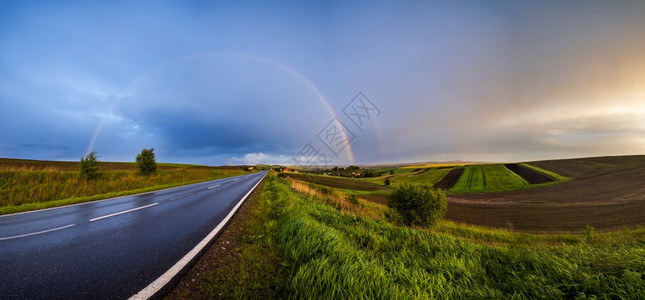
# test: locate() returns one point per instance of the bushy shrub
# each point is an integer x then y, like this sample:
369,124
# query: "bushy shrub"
146,161
90,166
418,204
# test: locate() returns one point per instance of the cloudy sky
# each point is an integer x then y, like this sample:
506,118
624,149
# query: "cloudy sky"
233,83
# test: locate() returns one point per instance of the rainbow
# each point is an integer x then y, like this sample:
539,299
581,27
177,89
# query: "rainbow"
277,64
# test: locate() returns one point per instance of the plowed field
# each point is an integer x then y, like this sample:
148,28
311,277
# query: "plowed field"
449,180
607,193
529,175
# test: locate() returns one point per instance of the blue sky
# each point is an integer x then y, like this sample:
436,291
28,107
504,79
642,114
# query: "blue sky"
254,82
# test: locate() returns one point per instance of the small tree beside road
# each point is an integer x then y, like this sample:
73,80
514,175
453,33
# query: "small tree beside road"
90,166
146,161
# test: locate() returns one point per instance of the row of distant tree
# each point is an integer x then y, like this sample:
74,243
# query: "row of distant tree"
146,163
350,171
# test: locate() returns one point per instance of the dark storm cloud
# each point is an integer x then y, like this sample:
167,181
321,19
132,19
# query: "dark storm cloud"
230,83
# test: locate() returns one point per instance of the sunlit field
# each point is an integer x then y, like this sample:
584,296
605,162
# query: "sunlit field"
27,187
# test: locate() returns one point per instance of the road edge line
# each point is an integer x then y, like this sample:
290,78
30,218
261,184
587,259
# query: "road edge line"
153,288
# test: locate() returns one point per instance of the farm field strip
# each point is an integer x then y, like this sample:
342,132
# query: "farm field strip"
472,180
487,178
450,179
553,175
338,182
530,175
438,165
431,176
499,178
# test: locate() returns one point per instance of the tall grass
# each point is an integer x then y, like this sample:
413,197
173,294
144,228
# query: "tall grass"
334,251
42,188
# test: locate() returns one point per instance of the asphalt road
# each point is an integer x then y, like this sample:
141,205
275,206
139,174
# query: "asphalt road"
115,248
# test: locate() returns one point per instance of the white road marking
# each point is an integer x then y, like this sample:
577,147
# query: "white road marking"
164,279
182,196
122,212
35,233
212,187
236,179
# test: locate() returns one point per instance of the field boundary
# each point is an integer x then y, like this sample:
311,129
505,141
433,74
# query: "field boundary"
555,176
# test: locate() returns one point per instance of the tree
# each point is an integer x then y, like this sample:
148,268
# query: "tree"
90,166
387,181
418,204
146,161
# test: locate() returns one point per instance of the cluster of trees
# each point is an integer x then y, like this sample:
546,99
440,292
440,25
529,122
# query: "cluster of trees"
351,171
146,163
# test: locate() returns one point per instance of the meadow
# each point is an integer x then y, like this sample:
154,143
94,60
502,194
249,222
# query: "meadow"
28,185
310,241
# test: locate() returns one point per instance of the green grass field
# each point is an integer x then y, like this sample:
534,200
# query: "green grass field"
404,175
321,246
481,178
488,178
472,180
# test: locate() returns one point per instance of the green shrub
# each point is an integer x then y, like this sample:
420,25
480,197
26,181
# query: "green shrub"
146,161
418,204
387,181
90,166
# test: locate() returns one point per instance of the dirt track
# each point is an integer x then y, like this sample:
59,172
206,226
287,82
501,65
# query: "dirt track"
607,193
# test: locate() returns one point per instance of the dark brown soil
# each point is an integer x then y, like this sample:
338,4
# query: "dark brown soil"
547,217
529,175
449,180
591,167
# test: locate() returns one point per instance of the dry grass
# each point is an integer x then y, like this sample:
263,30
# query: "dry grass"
26,188
341,201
